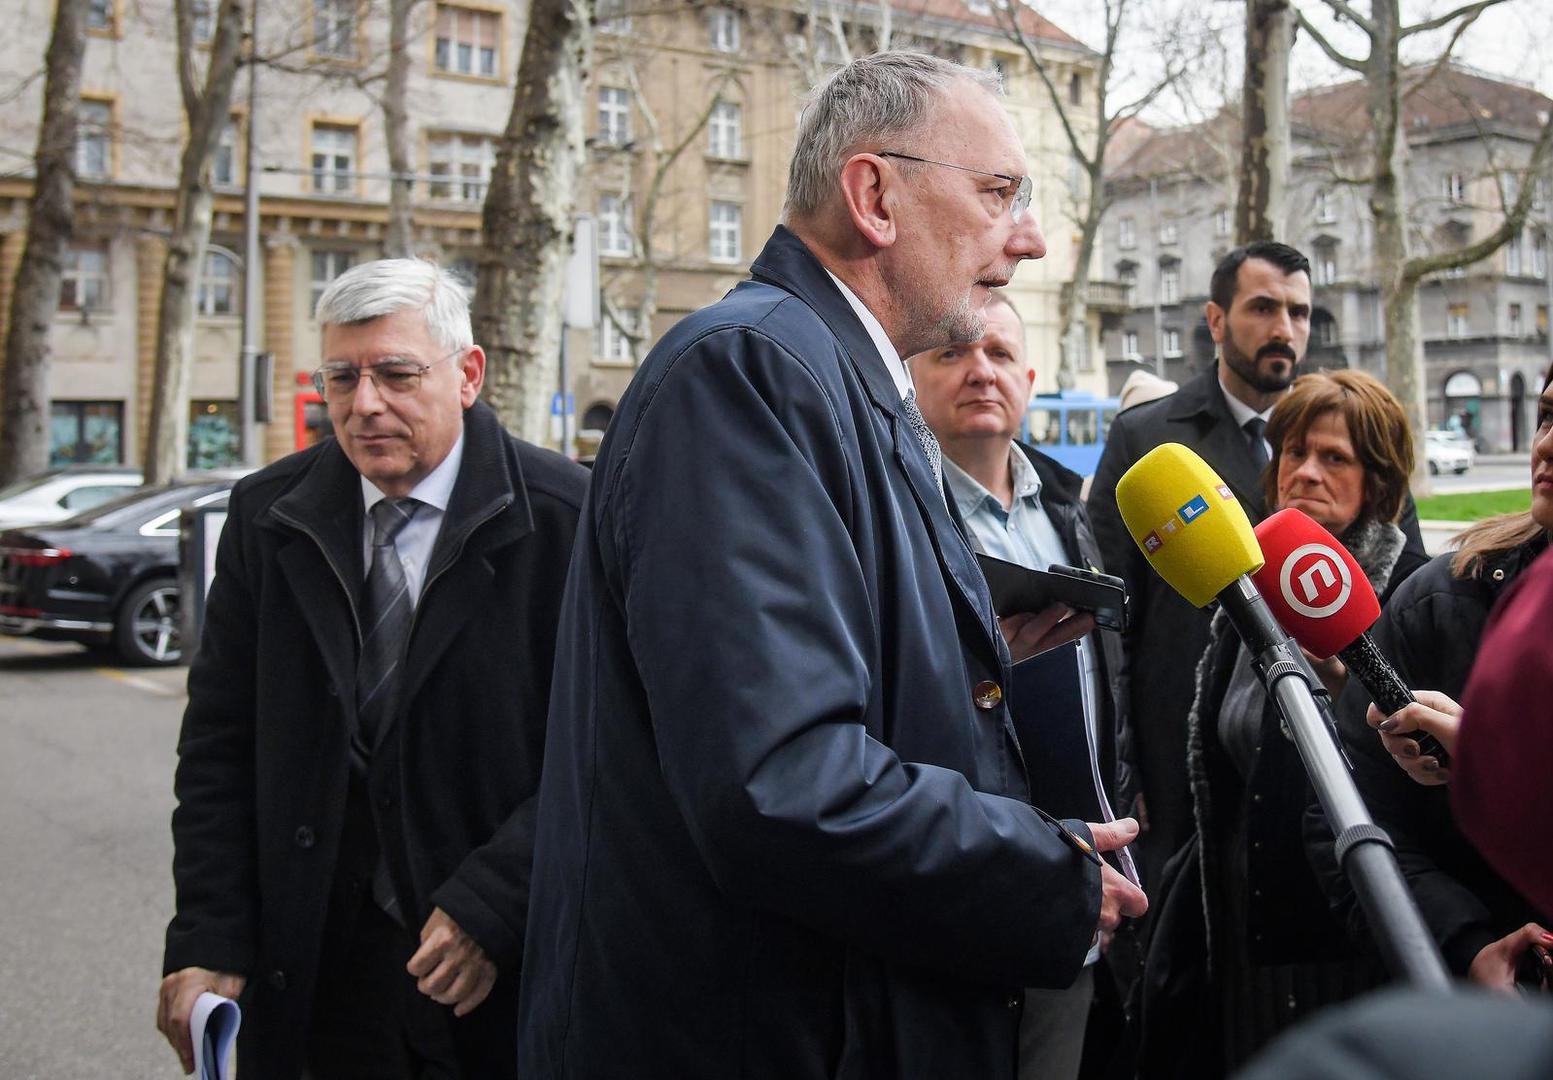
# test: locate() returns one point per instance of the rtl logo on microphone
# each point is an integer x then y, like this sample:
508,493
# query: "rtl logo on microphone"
1193,509
1314,581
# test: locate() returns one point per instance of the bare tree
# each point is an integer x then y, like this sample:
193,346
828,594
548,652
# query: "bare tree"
24,444
1400,272
1088,137
1262,193
527,218
206,108
400,239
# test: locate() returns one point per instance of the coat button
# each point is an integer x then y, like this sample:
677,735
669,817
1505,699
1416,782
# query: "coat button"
278,979
1015,1000
305,838
986,694
1498,575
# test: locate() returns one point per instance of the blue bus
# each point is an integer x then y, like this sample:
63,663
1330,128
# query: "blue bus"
1070,427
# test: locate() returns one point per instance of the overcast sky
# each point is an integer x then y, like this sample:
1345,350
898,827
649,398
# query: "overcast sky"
1513,40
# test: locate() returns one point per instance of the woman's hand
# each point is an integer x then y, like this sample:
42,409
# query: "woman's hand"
1434,713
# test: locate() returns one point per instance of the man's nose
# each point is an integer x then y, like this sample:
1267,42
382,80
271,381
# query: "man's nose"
367,399
1026,241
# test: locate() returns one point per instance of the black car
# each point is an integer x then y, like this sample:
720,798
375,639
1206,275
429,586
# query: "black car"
106,577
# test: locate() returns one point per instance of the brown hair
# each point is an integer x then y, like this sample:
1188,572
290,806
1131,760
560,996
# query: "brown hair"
1377,427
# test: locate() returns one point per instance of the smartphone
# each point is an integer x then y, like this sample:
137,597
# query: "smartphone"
1017,588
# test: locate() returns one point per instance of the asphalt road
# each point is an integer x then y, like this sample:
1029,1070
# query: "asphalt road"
86,761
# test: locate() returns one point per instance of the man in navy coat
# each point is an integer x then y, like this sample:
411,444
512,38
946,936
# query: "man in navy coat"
785,826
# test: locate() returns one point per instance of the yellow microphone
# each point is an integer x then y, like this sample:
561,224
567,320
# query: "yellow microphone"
1187,522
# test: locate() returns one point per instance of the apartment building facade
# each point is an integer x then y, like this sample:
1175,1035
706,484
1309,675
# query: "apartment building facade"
325,183
1484,326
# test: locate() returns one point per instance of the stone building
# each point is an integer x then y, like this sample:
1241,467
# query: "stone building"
324,185
1485,326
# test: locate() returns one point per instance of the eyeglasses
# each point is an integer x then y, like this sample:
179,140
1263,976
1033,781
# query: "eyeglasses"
394,376
1023,188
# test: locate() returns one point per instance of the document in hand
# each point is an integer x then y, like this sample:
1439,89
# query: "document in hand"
1047,705
213,1027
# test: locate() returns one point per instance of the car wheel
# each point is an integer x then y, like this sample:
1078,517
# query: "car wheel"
147,631
1434,470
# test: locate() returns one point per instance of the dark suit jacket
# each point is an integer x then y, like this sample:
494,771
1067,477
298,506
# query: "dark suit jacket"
264,757
777,836
1168,634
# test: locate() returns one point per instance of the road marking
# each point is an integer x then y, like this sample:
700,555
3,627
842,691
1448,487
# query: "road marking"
139,682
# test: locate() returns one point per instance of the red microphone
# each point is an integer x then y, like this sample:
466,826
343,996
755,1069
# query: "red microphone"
1318,593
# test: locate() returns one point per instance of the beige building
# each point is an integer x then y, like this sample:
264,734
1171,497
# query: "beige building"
726,82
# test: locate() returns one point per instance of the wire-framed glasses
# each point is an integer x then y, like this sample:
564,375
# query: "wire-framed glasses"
1022,186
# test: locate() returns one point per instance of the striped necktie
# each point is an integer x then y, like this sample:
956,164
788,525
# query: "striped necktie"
386,612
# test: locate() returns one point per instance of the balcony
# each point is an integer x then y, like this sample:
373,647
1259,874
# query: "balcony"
1110,297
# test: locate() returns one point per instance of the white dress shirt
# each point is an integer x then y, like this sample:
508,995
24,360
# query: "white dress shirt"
416,540
892,360
1243,412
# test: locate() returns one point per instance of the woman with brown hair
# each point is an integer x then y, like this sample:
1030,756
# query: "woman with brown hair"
1430,631
1239,901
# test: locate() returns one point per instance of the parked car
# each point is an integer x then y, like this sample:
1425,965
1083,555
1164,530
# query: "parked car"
107,577
61,493
1445,451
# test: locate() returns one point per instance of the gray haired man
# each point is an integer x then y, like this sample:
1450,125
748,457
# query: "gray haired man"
361,748
785,826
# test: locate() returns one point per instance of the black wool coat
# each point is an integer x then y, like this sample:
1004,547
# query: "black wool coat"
263,754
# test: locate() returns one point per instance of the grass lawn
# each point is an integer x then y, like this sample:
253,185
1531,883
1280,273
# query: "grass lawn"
1473,505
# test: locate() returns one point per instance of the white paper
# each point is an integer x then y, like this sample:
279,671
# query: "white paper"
213,1027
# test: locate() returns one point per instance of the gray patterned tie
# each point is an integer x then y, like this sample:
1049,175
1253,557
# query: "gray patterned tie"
1255,429
385,623
925,436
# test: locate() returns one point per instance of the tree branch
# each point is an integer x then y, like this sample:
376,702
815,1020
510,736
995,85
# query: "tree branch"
1345,10
1443,60
1341,59
1471,11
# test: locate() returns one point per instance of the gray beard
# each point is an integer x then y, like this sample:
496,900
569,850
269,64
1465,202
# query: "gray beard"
960,324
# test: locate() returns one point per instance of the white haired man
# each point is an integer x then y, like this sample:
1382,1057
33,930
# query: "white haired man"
785,826
366,715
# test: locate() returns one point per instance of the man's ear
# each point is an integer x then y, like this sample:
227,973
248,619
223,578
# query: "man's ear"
472,366
870,202
1215,316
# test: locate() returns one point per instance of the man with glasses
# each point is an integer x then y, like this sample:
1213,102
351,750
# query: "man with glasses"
785,827
365,727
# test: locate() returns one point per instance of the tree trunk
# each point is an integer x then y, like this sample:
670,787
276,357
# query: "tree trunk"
1260,204
24,398
166,448
400,242
527,218
1075,294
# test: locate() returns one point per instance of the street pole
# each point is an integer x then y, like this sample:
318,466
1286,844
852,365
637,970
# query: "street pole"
1159,273
253,283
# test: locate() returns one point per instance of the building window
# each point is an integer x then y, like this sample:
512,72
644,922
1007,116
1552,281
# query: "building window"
94,139
614,116
328,265
1221,222
334,157
1167,232
1453,187
465,159
1126,234
1326,211
1539,195
223,167
1130,345
1323,328
214,434
1542,320
1539,255
1456,321
101,16
615,227
727,226
1172,343
611,346
1170,284
219,285
1514,256
1517,323
334,28
612,18
1128,276
83,280
86,433
725,130
467,41
1325,268
1075,89
723,29
204,21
